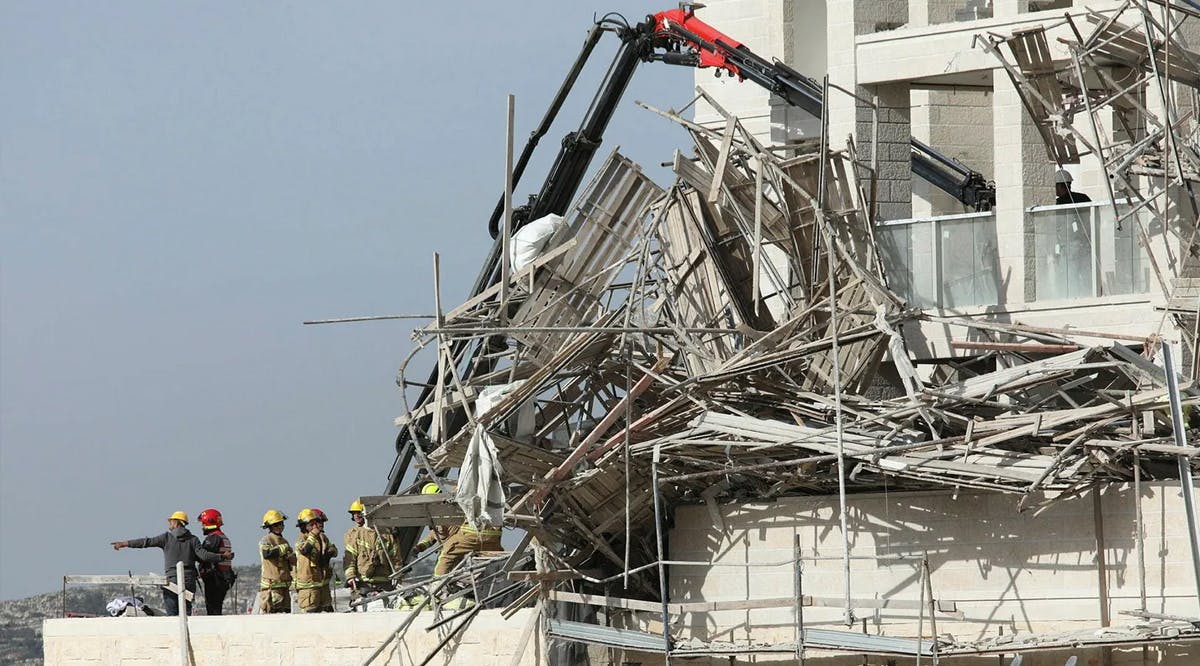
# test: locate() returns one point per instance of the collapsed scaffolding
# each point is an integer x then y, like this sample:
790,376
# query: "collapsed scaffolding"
733,337
1125,96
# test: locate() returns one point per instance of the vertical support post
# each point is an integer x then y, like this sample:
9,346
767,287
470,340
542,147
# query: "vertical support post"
921,614
799,602
439,417
628,488
132,592
64,597
1185,465
1137,523
181,592
662,570
928,594
835,350
1101,558
506,230
756,288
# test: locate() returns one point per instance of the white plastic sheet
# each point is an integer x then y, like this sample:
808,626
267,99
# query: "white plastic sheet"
531,240
479,492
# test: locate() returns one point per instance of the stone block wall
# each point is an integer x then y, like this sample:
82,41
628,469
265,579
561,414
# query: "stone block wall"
1006,571
317,640
959,124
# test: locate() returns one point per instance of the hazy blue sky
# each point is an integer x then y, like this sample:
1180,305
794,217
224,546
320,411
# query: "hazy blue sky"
181,184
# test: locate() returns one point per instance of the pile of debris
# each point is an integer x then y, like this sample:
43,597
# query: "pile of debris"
728,336
1126,96
734,338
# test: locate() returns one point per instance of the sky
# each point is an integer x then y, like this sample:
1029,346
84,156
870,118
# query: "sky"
182,184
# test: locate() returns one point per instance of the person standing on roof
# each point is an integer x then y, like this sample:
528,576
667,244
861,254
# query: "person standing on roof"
217,577
277,560
178,545
370,556
314,570
1062,190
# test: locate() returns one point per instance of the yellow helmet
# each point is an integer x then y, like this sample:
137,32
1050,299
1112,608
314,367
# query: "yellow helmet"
305,516
356,506
431,489
179,515
273,517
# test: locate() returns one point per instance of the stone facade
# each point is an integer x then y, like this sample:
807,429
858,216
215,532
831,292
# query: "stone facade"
920,61
1005,572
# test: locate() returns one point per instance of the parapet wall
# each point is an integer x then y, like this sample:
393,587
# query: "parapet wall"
319,640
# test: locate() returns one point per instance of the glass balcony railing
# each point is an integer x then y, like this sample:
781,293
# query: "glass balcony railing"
1077,251
1080,253
942,262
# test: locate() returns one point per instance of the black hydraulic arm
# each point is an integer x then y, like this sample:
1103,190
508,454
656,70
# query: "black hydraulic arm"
712,49
569,168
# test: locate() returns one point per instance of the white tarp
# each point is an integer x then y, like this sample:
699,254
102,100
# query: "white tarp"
530,240
479,492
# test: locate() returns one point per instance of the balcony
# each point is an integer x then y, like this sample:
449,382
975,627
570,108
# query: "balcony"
947,262
1072,253
1079,252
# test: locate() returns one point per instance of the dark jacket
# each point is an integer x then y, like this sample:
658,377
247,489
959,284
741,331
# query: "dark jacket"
178,545
1071,197
215,541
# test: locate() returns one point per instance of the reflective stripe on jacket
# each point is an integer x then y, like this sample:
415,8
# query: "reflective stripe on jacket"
438,534
487,532
370,555
313,562
277,560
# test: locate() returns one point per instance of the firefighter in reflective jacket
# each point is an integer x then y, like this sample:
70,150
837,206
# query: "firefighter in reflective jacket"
370,556
314,570
438,534
456,541
277,562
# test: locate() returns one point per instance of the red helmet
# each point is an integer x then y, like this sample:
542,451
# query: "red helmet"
320,515
211,518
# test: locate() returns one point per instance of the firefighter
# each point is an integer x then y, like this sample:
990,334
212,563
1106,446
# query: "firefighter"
178,545
314,570
217,577
465,540
438,534
277,562
456,541
370,556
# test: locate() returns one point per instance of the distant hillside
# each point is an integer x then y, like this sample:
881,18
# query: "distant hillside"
21,619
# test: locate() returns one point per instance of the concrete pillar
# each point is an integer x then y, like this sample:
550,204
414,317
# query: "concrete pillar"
846,20
894,154
1009,8
1024,178
804,49
932,12
958,123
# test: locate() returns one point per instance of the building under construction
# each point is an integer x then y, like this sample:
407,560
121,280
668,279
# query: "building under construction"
851,388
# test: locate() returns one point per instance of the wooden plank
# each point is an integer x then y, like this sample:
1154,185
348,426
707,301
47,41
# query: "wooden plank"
411,510
714,190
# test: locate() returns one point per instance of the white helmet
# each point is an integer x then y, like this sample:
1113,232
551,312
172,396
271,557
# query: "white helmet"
1062,177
